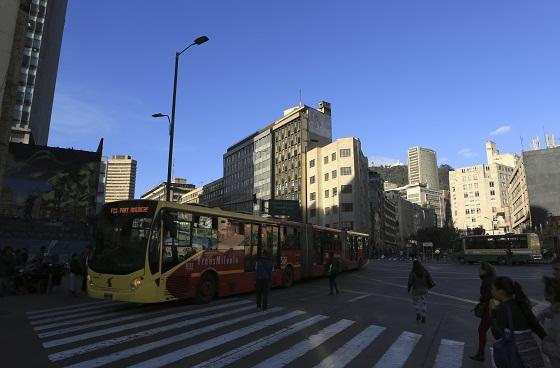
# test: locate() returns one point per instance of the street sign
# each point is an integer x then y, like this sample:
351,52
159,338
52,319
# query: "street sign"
277,207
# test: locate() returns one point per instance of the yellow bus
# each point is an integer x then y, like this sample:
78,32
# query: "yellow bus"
149,252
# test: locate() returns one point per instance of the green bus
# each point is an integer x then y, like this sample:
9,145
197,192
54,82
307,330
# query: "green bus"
495,248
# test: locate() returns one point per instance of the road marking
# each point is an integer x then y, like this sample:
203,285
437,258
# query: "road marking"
241,352
302,347
177,355
77,321
63,314
128,326
359,298
352,348
398,353
41,311
80,350
450,354
122,319
75,315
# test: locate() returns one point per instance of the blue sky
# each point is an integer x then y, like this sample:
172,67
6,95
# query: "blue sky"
440,74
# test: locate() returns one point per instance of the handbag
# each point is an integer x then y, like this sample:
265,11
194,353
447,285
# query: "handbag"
480,309
505,351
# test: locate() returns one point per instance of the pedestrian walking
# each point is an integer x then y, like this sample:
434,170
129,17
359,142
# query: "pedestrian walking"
75,271
513,325
333,268
551,342
263,275
419,283
487,275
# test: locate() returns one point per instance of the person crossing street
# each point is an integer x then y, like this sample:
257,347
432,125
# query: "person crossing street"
333,268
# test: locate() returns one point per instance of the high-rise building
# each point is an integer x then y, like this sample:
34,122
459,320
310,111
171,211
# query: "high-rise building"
31,114
534,189
213,194
478,193
422,167
270,163
376,196
121,178
337,186
179,187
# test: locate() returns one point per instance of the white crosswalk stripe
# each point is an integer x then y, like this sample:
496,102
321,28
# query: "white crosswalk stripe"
296,351
352,348
398,353
154,337
450,354
89,304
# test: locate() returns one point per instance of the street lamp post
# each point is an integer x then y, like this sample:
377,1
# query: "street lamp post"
198,41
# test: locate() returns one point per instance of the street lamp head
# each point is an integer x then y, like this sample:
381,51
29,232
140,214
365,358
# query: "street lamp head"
158,115
201,40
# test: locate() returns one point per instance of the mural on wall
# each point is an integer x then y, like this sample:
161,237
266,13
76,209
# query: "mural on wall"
48,190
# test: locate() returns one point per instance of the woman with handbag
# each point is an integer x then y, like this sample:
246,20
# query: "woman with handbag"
487,274
513,325
419,282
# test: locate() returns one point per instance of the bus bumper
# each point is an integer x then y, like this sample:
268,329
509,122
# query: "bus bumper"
131,296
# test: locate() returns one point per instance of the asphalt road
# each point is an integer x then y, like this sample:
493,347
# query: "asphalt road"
370,324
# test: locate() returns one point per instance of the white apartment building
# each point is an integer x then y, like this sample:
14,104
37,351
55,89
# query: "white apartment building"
192,197
422,167
479,193
121,178
337,186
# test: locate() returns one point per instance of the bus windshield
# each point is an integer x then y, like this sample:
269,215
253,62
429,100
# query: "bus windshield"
120,243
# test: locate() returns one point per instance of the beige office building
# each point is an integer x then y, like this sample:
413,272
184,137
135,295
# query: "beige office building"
479,193
337,186
179,187
121,178
422,167
192,197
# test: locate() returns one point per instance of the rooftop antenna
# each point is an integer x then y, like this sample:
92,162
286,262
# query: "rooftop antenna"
300,103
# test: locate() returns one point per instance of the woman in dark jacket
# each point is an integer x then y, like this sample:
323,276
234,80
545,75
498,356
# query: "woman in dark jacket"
419,283
487,274
513,302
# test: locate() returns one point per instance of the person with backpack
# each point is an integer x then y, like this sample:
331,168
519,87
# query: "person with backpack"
419,283
487,275
333,268
513,325
263,275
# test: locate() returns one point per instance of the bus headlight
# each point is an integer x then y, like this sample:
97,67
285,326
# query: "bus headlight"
136,283
89,280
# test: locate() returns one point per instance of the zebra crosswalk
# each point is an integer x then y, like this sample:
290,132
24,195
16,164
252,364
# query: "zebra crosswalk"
227,333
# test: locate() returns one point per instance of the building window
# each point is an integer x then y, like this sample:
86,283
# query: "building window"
333,174
346,188
313,212
334,210
492,192
312,196
312,163
326,160
347,170
345,152
347,225
476,194
466,195
312,179
333,156
467,212
327,193
347,207
491,184
327,211
327,177
334,192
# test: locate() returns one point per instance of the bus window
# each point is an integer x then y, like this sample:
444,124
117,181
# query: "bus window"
337,245
204,233
177,239
265,240
318,247
231,234
273,244
154,249
251,246
289,238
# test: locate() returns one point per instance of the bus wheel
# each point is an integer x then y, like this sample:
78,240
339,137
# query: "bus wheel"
206,290
461,260
288,277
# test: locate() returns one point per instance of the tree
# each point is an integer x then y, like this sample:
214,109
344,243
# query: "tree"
441,237
393,174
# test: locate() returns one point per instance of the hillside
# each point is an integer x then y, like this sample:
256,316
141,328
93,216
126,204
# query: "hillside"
399,174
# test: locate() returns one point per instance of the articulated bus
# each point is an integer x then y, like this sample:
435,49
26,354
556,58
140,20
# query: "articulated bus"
149,251
494,248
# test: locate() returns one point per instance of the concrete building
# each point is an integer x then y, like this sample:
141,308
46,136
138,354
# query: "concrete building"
391,225
102,183
38,69
269,164
376,196
534,189
479,192
212,194
121,178
423,196
337,186
192,197
422,167
179,187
